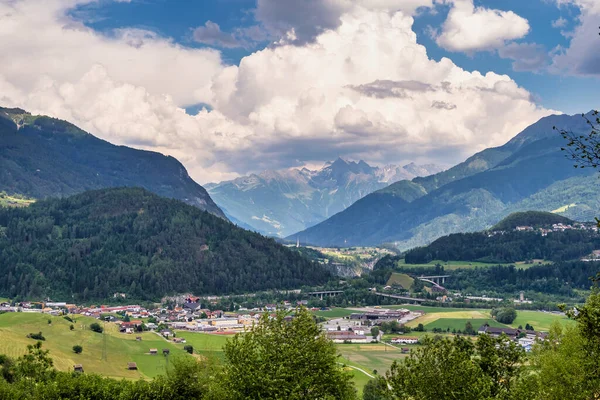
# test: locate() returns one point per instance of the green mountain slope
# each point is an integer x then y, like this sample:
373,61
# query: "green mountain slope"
44,157
472,196
129,240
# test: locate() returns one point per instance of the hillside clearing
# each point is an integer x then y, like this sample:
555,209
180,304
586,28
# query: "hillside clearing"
400,279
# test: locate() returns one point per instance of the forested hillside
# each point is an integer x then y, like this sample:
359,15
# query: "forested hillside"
129,240
44,157
509,247
534,219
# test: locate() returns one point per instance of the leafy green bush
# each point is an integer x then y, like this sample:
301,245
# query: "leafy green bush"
77,349
96,327
36,336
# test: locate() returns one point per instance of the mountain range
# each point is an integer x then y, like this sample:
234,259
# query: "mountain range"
44,157
530,172
279,203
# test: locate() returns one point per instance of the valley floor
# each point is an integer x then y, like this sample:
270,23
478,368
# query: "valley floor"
108,354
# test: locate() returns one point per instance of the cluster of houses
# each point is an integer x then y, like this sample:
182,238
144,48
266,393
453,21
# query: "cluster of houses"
560,227
357,327
525,338
191,315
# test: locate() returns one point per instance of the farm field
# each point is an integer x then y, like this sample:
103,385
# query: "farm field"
460,323
541,321
120,348
206,344
334,313
462,316
400,279
369,357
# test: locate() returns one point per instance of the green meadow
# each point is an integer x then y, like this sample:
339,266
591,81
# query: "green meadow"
541,321
460,323
400,279
106,354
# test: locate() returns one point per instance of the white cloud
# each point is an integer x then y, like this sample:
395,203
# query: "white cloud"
211,34
302,21
42,41
470,29
560,23
582,56
362,89
526,56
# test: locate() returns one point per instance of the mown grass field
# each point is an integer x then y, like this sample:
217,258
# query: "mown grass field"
400,279
462,316
206,344
369,357
460,323
120,348
541,321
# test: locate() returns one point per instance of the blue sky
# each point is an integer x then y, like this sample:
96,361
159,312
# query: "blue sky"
177,20
231,87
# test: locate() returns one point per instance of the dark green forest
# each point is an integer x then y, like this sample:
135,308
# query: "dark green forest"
556,279
89,246
535,219
509,247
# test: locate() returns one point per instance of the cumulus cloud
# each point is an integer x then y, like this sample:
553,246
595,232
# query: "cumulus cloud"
526,56
581,57
470,29
300,22
211,34
363,88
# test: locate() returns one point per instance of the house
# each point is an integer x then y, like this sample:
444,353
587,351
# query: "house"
166,352
405,350
178,340
405,340
166,333
153,351
526,343
132,366
346,336
495,332
78,368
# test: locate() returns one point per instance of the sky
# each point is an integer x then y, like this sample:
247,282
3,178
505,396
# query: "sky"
232,87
